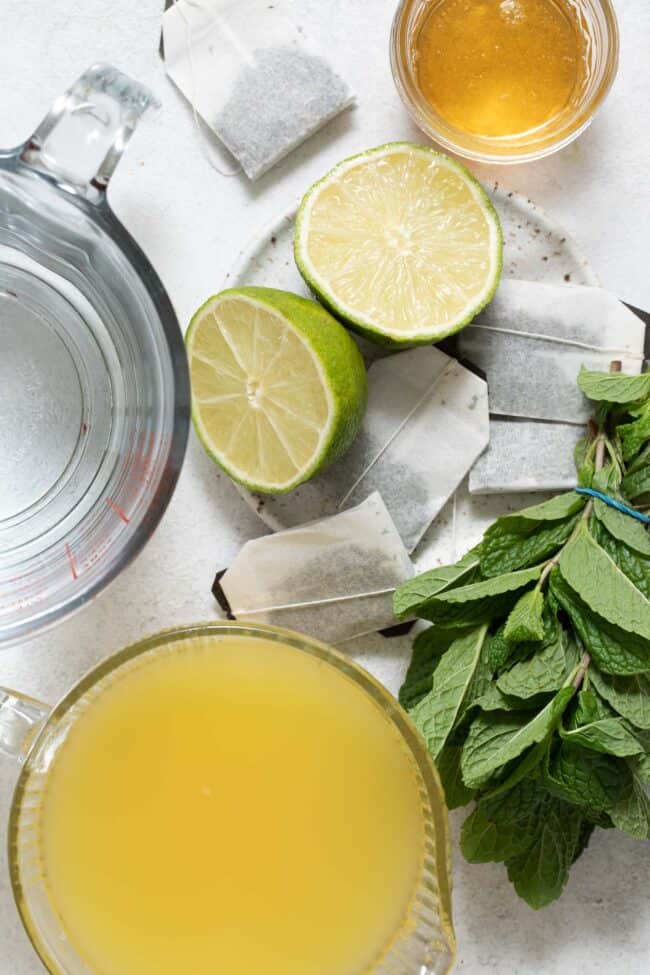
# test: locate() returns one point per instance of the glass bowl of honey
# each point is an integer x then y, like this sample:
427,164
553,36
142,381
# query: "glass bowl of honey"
504,81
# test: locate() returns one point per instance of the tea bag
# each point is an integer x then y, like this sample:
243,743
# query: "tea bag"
332,579
526,455
532,340
251,75
426,423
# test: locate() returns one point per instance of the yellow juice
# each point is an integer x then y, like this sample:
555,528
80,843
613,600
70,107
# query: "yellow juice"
224,807
500,68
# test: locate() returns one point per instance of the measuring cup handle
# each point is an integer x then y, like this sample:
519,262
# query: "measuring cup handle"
20,719
81,139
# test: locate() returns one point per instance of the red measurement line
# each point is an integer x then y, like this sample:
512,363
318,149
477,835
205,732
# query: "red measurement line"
68,552
118,511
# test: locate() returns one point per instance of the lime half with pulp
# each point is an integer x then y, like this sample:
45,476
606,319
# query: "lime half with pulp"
279,387
401,243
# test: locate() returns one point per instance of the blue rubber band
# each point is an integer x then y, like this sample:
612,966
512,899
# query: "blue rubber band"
615,504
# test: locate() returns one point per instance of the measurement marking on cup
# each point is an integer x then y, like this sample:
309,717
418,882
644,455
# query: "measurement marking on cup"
118,511
68,552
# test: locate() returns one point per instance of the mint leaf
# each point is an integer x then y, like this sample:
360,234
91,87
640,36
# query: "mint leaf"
428,648
634,435
608,479
494,699
452,683
603,587
556,509
586,710
410,596
637,484
448,764
540,874
584,835
635,566
631,813
501,653
501,828
623,527
507,551
586,777
543,673
640,462
525,622
583,458
496,738
640,766
499,650
478,602
613,650
629,696
614,387
607,735
521,770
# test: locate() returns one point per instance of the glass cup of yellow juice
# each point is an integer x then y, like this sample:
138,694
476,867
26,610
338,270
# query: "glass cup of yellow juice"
227,798
504,81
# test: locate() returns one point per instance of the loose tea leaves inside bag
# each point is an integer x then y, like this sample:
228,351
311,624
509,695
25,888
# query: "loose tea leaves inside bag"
332,579
526,455
251,75
532,340
427,422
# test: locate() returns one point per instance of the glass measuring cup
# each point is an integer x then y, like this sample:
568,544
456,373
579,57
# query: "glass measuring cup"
597,20
94,389
34,734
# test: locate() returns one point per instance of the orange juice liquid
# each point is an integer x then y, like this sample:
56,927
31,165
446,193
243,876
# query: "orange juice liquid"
500,68
226,807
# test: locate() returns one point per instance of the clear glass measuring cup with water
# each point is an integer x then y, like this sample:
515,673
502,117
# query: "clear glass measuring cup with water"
94,390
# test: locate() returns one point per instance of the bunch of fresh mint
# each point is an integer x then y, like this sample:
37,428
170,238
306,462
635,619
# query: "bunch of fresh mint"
532,687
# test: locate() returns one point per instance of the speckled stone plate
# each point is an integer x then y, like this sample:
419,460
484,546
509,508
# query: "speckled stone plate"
535,248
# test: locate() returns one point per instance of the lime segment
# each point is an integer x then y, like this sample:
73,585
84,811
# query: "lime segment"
401,243
278,386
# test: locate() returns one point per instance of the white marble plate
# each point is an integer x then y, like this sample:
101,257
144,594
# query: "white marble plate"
535,248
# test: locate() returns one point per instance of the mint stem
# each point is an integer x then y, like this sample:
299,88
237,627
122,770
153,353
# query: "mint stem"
601,447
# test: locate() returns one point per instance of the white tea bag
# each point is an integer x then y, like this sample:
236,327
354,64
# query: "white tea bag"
526,455
251,75
532,340
426,423
332,579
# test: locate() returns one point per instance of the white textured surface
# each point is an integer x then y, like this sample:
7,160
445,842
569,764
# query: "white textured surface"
192,224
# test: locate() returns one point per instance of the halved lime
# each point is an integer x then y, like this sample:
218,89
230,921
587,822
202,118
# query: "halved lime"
401,243
279,387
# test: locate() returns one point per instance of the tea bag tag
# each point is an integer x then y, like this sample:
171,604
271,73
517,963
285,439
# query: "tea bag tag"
252,77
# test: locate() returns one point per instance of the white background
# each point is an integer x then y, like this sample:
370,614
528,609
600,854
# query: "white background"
193,224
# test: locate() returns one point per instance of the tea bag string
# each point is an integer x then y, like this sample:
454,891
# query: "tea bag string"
559,341
190,56
313,602
396,432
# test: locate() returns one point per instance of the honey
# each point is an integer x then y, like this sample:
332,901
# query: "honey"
500,68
